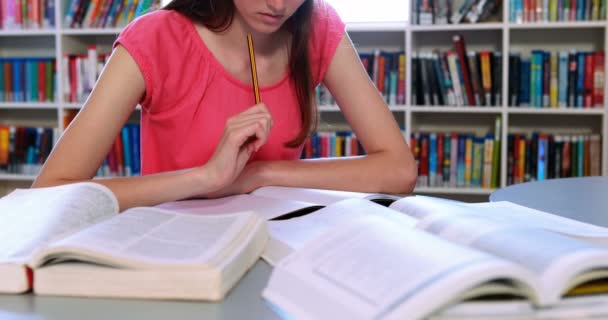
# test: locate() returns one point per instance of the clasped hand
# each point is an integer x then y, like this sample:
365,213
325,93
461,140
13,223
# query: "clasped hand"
244,134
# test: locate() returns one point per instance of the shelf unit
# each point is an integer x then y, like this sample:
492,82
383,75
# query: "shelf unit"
502,36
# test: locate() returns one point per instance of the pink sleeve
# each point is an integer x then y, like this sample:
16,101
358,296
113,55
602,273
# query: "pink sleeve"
327,31
142,39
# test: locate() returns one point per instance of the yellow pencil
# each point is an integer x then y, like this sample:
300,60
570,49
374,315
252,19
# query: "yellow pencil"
254,72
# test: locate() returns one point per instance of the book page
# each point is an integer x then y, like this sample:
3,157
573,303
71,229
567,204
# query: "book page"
296,232
555,259
423,207
359,265
265,207
31,218
317,196
150,237
514,213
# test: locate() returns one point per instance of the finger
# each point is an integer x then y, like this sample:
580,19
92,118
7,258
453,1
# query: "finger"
252,118
238,135
258,108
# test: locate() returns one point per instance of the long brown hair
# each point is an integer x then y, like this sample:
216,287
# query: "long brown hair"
217,15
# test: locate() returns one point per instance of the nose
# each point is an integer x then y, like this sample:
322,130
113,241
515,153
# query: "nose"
277,6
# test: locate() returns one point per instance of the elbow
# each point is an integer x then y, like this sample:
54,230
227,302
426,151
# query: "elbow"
408,174
402,178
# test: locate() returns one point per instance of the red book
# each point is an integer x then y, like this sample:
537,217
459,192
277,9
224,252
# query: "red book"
464,66
119,157
599,62
588,83
423,166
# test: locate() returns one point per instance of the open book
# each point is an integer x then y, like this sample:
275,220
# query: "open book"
422,256
70,240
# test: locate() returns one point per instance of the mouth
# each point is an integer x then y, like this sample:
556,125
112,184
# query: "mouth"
271,18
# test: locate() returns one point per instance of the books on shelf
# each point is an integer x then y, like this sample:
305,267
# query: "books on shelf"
70,240
27,79
80,73
452,160
323,144
105,13
526,11
28,14
572,79
496,259
23,150
387,72
457,77
429,12
547,156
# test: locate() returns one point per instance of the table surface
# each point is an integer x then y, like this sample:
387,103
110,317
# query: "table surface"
584,199
243,302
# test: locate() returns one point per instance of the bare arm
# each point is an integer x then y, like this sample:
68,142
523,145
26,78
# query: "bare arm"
84,145
388,166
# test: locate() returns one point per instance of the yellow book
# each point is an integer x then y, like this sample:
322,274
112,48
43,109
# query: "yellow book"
468,160
4,141
553,87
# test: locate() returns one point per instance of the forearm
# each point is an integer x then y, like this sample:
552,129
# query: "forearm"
149,190
372,173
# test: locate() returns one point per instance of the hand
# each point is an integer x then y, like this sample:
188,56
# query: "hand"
243,134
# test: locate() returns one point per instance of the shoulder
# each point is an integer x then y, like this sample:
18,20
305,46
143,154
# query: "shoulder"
327,29
158,23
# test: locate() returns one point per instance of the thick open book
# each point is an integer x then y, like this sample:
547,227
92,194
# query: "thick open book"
70,240
424,256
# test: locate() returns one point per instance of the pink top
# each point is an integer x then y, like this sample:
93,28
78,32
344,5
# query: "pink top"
190,96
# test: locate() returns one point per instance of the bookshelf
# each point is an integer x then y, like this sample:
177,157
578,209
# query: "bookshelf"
502,36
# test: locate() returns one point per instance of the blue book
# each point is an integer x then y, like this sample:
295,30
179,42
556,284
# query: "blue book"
432,159
460,167
524,83
28,79
135,149
580,79
541,161
126,150
17,80
538,74
562,88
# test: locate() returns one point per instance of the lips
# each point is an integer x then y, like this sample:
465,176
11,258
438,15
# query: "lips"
271,18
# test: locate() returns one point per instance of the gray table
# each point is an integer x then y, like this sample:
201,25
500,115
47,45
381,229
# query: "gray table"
584,199
243,302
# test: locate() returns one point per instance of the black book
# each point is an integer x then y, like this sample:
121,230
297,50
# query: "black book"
514,74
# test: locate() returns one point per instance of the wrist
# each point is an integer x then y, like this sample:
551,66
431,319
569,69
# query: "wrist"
262,173
205,180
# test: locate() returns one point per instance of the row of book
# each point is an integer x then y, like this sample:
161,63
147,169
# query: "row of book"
558,79
457,78
23,150
27,14
427,12
387,72
81,72
522,11
547,156
27,79
124,156
456,160
105,13
326,144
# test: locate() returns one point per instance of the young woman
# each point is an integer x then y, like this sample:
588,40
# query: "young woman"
201,134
